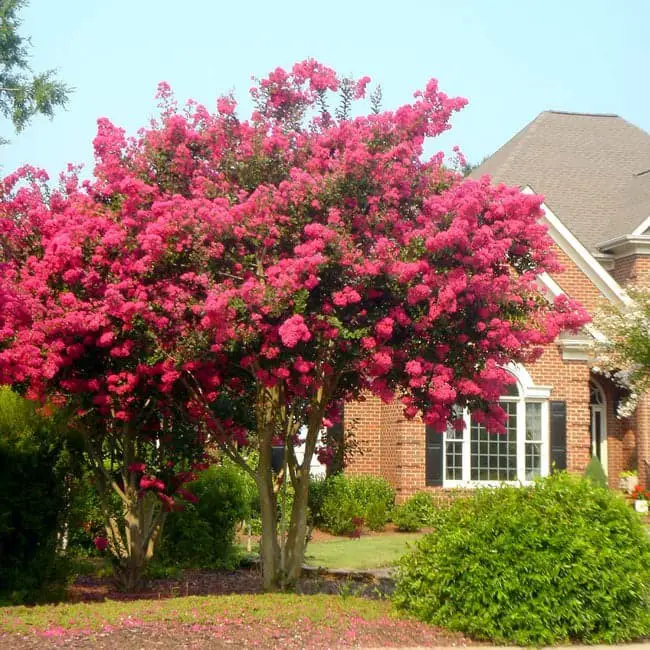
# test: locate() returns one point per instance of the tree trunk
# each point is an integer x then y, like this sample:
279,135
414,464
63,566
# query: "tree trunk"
282,559
270,549
133,547
296,542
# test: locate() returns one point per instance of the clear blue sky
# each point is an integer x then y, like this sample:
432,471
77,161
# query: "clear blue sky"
511,59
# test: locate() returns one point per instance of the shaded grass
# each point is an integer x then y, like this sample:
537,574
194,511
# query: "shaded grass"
371,552
282,609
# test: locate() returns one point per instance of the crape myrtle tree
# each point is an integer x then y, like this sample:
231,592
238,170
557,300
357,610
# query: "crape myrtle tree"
88,330
245,278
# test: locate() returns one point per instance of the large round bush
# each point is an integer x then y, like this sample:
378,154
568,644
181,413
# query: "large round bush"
562,560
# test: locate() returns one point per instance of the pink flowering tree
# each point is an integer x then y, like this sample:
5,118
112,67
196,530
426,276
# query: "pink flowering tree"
92,323
245,278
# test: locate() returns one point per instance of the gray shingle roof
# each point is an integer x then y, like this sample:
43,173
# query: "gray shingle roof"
593,171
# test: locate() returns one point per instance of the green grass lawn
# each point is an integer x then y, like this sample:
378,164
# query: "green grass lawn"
370,552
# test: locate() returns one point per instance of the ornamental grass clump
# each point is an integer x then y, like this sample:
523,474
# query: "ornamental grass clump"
563,560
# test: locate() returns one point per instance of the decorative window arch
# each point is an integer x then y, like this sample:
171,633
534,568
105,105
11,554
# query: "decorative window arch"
475,457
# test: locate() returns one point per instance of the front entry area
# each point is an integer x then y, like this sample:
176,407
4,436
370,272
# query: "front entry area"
598,426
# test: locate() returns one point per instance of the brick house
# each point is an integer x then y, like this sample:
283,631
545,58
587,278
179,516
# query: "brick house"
594,174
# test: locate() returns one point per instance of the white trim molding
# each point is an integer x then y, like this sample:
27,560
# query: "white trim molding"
581,257
527,386
606,260
576,347
642,227
635,244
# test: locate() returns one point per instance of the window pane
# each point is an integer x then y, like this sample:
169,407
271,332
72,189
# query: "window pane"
533,460
454,460
493,456
534,421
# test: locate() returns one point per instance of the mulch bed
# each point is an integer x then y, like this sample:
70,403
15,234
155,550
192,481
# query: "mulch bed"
219,583
318,535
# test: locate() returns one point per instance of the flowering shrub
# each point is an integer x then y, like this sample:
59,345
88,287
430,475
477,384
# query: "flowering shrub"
623,352
288,263
560,561
639,494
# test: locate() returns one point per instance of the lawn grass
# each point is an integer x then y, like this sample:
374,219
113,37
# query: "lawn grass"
370,552
281,609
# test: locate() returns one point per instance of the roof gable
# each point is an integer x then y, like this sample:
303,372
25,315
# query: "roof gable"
593,171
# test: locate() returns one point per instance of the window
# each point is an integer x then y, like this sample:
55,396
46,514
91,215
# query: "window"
474,456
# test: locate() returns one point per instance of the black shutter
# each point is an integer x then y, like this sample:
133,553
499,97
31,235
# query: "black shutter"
433,459
558,436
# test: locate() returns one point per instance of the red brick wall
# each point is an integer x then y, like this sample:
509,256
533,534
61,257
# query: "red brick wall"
395,448
569,381
576,284
363,420
642,422
633,269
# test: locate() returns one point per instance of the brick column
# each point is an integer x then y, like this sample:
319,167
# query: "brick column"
364,420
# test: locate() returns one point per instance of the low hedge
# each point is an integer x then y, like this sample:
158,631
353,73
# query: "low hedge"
343,504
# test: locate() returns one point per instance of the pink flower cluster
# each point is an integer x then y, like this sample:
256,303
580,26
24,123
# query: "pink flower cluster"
211,255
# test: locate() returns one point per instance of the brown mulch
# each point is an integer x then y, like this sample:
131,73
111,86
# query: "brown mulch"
318,535
203,582
192,583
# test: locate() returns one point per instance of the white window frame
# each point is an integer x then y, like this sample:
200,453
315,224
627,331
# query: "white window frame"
528,392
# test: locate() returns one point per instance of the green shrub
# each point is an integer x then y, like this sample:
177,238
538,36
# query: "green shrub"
339,512
85,518
415,513
203,534
376,515
317,490
595,473
406,520
345,499
34,465
560,561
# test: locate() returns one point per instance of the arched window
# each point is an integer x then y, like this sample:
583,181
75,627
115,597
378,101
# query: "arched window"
474,456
